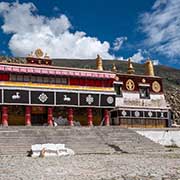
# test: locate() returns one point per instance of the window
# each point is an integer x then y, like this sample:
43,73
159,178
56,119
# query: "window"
39,79
20,77
13,77
144,92
45,79
33,79
26,78
118,89
64,81
52,80
58,80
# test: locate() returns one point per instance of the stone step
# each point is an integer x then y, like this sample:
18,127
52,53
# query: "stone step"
18,139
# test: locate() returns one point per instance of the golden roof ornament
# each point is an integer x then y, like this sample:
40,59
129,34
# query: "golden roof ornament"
39,53
99,65
156,87
114,69
38,57
130,85
46,56
130,67
31,54
149,68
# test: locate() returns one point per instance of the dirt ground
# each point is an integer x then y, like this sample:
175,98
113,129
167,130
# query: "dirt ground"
154,166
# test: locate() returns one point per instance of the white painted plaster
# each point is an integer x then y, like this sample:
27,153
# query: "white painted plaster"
163,137
134,100
50,150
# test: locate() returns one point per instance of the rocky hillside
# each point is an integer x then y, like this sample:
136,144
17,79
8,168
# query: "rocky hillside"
173,98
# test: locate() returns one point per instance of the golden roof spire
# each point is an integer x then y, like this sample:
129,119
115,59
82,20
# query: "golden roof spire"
99,65
149,68
114,69
31,54
46,56
130,67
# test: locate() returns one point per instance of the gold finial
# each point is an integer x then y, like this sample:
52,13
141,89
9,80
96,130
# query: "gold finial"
114,69
130,67
99,65
31,54
149,68
39,53
46,56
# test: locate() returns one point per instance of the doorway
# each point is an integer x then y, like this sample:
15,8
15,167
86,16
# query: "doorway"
38,116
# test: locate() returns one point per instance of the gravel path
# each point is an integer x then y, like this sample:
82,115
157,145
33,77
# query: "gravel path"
92,166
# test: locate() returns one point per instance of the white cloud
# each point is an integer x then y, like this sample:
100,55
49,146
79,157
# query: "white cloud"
30,31
118,43
137,57
162,27
141,56
120,58
155,62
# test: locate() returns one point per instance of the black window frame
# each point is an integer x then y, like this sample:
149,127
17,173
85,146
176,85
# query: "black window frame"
119,88
147,92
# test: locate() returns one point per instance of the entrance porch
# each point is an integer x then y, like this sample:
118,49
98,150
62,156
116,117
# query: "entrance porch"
42,115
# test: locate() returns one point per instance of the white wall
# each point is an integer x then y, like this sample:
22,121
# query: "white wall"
133,100
163,137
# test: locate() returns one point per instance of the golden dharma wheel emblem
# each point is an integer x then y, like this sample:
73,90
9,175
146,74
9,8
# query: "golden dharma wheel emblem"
39,53
130,85
156,86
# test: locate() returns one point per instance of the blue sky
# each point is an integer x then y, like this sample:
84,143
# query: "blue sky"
114,29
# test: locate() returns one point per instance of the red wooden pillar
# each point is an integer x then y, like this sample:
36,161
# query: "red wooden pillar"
106,117
28,116
70,116
89,116
4,115
50,116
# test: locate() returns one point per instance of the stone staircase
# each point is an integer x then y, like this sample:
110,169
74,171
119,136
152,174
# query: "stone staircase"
17,140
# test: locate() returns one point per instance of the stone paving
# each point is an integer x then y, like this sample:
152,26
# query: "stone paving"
152,166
